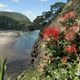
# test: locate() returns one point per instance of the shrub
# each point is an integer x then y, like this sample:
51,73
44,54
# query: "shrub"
62,60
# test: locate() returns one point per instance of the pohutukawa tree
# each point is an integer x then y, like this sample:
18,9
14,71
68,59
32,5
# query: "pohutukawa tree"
60,46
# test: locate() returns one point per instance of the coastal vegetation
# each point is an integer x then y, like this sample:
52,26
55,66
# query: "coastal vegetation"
48,16
56,54
15,21
2,68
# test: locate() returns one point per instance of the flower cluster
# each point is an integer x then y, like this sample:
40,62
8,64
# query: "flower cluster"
71,48
63,44
67,15
68,19
51,32
65,40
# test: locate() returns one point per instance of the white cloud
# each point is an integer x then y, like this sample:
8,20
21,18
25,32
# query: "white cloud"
15,0
9,10
43,0
3,6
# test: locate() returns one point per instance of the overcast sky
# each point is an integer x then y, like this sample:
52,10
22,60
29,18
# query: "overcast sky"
30,8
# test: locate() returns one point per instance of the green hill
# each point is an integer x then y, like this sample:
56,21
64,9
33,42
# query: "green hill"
14,21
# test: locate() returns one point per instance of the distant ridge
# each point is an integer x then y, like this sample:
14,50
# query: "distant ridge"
15,15
14,21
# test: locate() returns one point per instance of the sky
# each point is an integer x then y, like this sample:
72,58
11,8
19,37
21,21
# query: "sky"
30,8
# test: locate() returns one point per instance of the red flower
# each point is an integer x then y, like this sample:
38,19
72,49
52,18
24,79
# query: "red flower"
69,35
71,48
75,28
70,15
67,15
51,31
71,32
64,59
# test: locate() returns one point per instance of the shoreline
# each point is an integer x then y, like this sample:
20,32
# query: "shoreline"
17,46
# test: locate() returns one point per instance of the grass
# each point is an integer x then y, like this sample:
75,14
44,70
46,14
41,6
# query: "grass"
28,74
2,68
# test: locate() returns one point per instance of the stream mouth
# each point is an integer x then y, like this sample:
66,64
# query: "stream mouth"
16,46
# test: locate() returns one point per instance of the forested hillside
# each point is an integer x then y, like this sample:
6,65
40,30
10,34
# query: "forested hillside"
14,21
